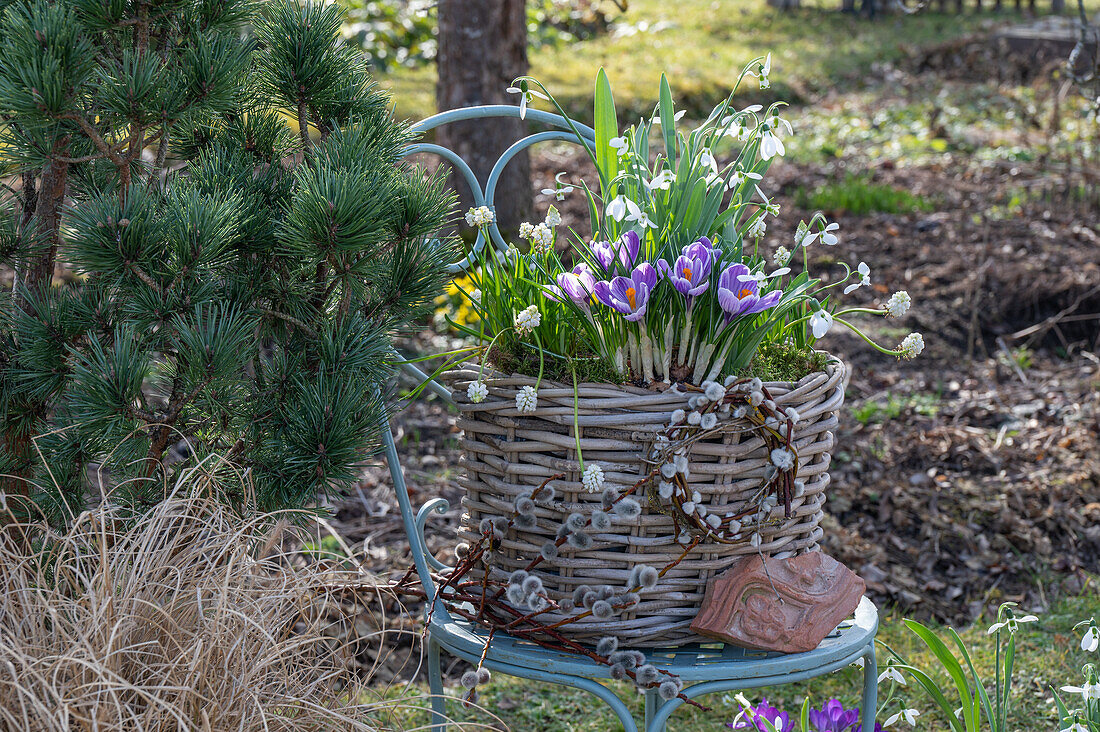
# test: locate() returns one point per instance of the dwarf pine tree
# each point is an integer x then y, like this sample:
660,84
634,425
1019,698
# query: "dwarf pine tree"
213,240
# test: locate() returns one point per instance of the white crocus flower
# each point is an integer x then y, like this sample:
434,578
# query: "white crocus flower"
619,144
1088,691
771,145
907,715
593,478
892,674
662,181
1091,641
898,304
1011,623
477,391
820,322
527,399
864,278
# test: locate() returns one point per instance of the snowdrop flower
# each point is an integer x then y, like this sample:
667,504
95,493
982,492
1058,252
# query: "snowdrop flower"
526,95
820,322
559,190
1012,623
864,278
553,217
758,229
828,238
527,320
662,181
477,391
479,216
771,145
1088,691
892,674
542,237
782,458
675,118
1091,641
527,399
910,347
762,72
1075,727
621,207
706,159
898,304
738,177
781,257
619,144
907,715
593,478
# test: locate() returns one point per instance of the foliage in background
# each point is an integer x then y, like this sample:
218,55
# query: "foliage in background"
236,284
403,32
859,196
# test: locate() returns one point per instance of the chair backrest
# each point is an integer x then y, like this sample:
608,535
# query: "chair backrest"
483,195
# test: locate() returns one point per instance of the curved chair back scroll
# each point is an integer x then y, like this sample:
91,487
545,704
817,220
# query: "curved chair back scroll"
483,195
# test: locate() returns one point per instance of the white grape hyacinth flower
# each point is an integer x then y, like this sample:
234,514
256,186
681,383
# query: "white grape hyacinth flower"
526,229
527,399
758,229
912,345
477,391
527,319
781,257
479,216
542,238
593,478
898,304
553,216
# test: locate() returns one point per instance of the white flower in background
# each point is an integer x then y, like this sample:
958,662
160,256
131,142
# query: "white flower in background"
553,216
864,273
542,238
770,144
782,458
828,238
675,118
772,208
1075,727
911,346
781,257
1091,641
559,190
512,252
477,391
738,177
526,229
1012,623
621,207
1088,691
619,144
779,124
527,320
898,304
820,322
892,674
527,399
643,220
907,715
758,229
526,95
475,296
479,216
592,478
706,159
662,181
763,70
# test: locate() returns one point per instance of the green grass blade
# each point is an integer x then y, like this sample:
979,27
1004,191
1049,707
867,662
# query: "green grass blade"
937,696
943,653
982,694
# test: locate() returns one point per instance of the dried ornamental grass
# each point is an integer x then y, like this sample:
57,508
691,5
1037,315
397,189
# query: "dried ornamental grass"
186,618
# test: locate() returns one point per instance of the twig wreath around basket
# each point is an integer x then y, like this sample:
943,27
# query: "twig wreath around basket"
647,406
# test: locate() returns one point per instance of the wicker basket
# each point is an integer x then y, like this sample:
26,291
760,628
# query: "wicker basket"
507,453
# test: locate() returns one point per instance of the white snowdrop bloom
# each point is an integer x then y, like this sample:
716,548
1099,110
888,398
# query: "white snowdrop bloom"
675,118
713,390
479,216
706,159
662,181
621,207
892,674
542,238
828,238
909,716
738,177
553,217
592,478
803,236
820,322
772,208
1011,623
642,219
1075,727
771,145
782,458
1088,691
1091,641
858,662
898,304
864,273
525,97
709,421
781,257
527,399
477,391
560,190
694,418
527,320
911,345
619,145
526,229
758,229
762,72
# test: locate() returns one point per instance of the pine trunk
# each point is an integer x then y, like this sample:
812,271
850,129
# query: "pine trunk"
482,48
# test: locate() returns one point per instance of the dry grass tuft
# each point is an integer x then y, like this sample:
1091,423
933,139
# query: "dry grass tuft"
189,617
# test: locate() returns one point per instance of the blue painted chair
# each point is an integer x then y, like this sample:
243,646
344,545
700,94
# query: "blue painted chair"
705,668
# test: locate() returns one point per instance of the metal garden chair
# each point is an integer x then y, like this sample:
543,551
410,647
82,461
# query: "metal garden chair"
705,668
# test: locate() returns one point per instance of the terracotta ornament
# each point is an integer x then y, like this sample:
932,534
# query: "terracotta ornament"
786,605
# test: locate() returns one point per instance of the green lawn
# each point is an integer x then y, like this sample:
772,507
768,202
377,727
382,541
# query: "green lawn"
1049,655
702,45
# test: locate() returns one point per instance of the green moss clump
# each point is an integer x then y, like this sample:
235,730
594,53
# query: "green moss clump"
511,356
784,362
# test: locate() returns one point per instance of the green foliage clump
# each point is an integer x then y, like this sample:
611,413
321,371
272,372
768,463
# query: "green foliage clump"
783,361
237,280
858,195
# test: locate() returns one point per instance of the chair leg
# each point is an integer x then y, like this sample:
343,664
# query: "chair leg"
651,702
435,684
870,689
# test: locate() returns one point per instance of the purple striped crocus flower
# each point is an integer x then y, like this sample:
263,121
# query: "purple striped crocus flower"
739,294
578,285
629,295
690,273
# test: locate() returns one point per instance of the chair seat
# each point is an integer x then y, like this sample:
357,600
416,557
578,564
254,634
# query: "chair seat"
695,662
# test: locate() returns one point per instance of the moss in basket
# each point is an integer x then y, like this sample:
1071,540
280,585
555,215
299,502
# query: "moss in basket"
784,362
512,356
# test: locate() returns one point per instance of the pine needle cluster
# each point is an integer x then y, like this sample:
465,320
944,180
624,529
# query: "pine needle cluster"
225,185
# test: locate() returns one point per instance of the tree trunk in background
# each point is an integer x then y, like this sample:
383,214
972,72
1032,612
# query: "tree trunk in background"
482,48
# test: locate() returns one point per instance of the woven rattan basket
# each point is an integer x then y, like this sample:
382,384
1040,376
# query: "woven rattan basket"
507,453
